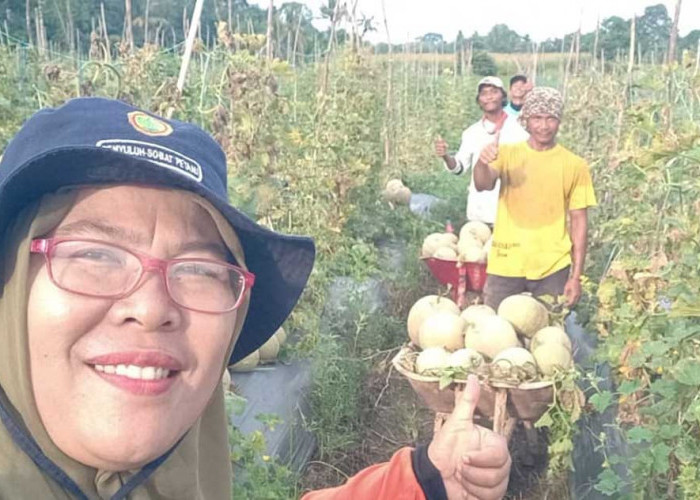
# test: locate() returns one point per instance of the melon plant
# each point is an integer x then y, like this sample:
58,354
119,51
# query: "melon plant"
514,362
269,350
466,359
549,335
432,361
474,312
490,335
552,357
527,314
423,308
442,329
477,229
248,363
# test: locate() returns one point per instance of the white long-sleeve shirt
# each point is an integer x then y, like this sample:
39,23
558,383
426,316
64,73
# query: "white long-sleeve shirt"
482,205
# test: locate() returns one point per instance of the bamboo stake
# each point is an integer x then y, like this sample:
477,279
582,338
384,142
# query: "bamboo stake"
674,34
28,18
389,93
296,41
697,57
108,51
128,26
595,41
145,23
268,36
196,15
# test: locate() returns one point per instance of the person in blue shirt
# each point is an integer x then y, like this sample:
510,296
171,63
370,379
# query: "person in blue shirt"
519,87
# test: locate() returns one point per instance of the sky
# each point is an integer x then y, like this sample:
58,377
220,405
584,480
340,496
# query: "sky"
541,19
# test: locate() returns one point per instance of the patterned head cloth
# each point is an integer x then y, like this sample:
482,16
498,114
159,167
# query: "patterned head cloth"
542,100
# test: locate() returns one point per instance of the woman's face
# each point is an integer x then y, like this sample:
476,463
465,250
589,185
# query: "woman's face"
112,417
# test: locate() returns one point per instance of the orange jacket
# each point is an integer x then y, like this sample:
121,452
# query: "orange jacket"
393,480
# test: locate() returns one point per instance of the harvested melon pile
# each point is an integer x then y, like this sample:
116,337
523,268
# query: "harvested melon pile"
267,353
513,345
396,192
472,245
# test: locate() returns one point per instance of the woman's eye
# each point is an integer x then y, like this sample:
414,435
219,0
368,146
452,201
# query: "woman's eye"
97,255
194,269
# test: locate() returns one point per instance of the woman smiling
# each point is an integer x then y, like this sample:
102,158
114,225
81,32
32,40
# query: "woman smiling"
128,285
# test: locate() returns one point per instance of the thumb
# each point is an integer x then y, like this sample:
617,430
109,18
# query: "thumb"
467,400
439,138
497,138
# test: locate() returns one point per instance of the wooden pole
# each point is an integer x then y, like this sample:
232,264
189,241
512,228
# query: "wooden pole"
389,93
633,36
196,15
129,27
268,36
28,16
105,35
595,42
145,23
674,34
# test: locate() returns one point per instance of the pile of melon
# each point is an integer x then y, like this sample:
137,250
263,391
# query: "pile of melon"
515,344
472,245
267,353
396,192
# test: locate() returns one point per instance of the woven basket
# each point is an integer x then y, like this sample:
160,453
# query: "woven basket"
527,401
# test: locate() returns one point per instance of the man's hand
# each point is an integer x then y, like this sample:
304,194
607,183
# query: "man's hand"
490,152
440,147
474,461
572,291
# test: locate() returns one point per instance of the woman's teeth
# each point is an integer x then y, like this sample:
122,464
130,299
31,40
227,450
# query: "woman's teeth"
134,372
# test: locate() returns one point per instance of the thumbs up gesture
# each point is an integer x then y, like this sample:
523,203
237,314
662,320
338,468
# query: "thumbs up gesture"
490,153
473,461
440,147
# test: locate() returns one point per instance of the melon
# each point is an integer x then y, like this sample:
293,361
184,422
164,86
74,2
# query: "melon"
550,335
403,196
477,229
465,358
423,308
473,254
514,362
281,335
394,185
445,253
269,350
525,313
490,335
431,243
487,245
432,360
472,313
552,357
450,239
442,329
248,363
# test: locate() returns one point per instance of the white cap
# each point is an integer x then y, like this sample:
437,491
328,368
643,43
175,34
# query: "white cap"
494,81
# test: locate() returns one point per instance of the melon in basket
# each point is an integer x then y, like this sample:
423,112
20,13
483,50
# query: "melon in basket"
477,229
490,335
527,314
548,335
423,308
442,329
552,357
472,253
474,312
433,241
514,362
445,253
432,361
465,358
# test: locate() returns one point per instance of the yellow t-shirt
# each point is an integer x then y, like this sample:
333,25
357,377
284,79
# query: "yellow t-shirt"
530,237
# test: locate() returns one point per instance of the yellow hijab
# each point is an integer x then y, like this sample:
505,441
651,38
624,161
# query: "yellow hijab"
198,467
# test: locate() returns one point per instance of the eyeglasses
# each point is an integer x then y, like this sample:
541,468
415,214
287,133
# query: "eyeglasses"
95,268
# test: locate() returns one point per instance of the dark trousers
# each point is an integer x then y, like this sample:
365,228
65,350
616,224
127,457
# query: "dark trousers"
498,288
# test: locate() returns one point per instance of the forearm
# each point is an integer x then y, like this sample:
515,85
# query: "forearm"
484,176
450,162
579,240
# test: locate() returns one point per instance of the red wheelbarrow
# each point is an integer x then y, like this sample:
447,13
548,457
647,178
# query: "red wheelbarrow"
462,276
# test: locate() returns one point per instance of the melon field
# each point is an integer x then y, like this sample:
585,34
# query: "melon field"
310,149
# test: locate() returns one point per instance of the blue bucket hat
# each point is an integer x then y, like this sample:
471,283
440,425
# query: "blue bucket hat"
92,141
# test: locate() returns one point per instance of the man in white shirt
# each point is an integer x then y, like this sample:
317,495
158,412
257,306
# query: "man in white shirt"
491,96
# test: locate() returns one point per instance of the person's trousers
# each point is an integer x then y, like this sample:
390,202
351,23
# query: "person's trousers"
498,288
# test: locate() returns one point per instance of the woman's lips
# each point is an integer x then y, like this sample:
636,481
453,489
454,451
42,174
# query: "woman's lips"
138,372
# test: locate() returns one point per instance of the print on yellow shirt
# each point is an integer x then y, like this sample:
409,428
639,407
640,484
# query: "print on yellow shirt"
538,188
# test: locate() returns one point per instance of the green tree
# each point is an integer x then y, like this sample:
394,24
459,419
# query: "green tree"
503,39
654,28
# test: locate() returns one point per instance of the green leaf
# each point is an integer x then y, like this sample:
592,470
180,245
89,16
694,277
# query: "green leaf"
629,387
687,371
660,452
544,421
445,381
656,348
601,400
609,483
639,434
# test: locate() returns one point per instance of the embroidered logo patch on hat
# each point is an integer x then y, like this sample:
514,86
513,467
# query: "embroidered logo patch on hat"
149,125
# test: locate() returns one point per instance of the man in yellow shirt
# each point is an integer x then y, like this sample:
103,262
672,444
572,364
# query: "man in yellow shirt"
542,183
